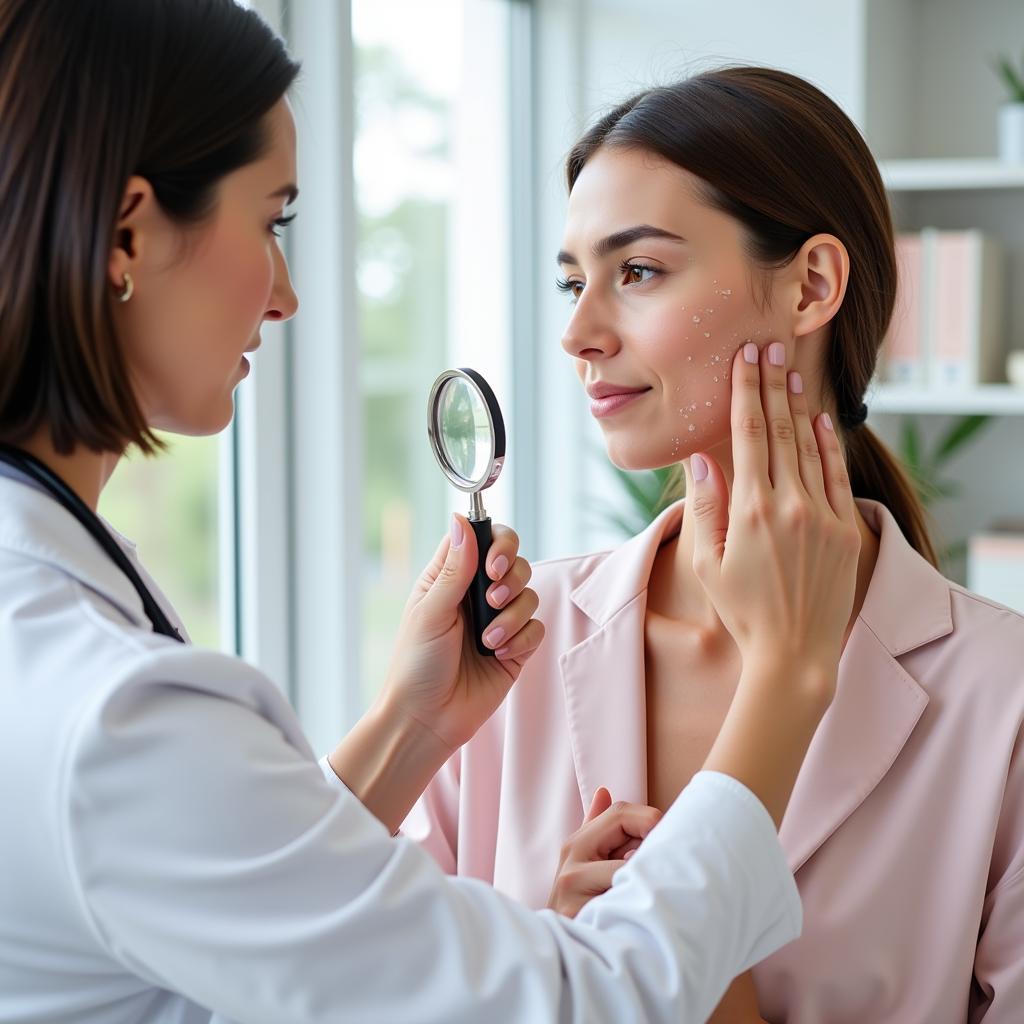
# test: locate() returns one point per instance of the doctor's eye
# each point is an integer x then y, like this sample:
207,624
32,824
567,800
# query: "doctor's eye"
573,288
281,222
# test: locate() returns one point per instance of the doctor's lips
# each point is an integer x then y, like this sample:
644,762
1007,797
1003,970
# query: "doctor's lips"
607,399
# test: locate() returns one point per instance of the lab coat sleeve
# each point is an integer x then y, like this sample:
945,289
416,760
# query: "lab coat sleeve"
212,857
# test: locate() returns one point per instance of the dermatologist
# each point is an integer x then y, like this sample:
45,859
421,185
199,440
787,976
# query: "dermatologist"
172,849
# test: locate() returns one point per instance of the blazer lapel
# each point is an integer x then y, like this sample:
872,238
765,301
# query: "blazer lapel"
877,704
604,677
606,707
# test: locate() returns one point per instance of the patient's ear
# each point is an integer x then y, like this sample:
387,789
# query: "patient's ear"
817,279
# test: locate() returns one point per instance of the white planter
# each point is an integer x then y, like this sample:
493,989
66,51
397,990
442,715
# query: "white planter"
1011,132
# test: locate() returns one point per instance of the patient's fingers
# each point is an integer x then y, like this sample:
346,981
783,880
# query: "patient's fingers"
578,883
749,445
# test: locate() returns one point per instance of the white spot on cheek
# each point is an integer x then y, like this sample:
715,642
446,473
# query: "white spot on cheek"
707,334
696,319
692,427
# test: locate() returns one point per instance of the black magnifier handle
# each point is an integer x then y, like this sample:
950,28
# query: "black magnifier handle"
481,614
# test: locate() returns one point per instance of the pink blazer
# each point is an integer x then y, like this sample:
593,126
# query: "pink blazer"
906,827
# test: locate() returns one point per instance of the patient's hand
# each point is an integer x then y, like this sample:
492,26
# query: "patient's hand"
739,1004
591,855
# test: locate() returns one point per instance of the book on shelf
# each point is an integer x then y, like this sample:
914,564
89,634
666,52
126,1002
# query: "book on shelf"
995,564
947,327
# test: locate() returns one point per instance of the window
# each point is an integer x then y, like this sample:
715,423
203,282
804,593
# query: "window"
431,265
169,506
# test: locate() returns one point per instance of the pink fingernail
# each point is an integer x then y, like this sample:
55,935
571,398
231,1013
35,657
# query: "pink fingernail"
827,420
499,596
501,653
796,383
777,353
628,854
699,468
495,637
500,567
750,352
456,532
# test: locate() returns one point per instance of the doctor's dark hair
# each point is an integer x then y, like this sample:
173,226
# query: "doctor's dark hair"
91,93
780,157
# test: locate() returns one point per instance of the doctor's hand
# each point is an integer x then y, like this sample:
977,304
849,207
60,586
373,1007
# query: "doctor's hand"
436,677
439,691
594,852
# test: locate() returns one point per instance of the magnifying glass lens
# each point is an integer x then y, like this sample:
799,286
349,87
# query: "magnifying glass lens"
467,437
465,430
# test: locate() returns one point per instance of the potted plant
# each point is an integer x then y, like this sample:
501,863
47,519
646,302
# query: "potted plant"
926,467
1011,113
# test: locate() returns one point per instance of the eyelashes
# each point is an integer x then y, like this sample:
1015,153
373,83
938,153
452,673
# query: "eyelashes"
627,269
280,223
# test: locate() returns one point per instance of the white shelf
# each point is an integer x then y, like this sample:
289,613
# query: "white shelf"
951,175
991,399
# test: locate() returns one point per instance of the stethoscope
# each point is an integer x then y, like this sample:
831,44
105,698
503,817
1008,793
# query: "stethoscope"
39,472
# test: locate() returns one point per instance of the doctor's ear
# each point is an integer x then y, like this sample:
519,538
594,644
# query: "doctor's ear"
818,276
135,219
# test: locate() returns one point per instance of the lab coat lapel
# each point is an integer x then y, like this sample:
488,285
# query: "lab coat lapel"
877,704
35,526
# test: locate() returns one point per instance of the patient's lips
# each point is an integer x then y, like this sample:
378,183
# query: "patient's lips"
608,399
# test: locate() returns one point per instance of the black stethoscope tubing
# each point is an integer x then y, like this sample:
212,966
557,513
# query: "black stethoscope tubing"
38,471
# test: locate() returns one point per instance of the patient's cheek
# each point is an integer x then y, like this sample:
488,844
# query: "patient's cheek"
713,329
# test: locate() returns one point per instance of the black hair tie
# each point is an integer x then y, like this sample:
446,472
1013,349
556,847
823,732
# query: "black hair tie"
856,420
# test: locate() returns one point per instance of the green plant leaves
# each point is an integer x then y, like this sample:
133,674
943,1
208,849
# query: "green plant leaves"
1013,78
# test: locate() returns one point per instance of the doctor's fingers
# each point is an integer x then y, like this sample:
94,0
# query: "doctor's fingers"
511,585
514,618
503,551
577,884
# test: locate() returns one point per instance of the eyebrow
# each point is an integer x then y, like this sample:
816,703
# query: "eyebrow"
620,240
289,190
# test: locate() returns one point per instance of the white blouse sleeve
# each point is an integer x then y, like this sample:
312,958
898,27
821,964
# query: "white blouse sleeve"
213,857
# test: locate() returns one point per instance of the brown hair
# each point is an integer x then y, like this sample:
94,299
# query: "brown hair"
778,155
92,92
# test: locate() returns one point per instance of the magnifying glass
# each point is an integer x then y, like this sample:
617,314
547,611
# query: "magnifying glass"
467,436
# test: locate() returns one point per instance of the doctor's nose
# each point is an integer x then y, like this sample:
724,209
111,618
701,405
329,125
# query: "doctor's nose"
589,334
284,303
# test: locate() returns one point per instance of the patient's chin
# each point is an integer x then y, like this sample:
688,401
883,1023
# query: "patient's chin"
635,458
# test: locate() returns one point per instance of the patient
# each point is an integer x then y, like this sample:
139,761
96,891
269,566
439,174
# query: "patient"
740,205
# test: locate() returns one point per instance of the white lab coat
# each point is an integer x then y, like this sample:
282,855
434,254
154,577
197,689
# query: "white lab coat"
173,852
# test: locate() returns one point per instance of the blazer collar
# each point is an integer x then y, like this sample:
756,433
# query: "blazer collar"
624,573
877,703
34,525
907,603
